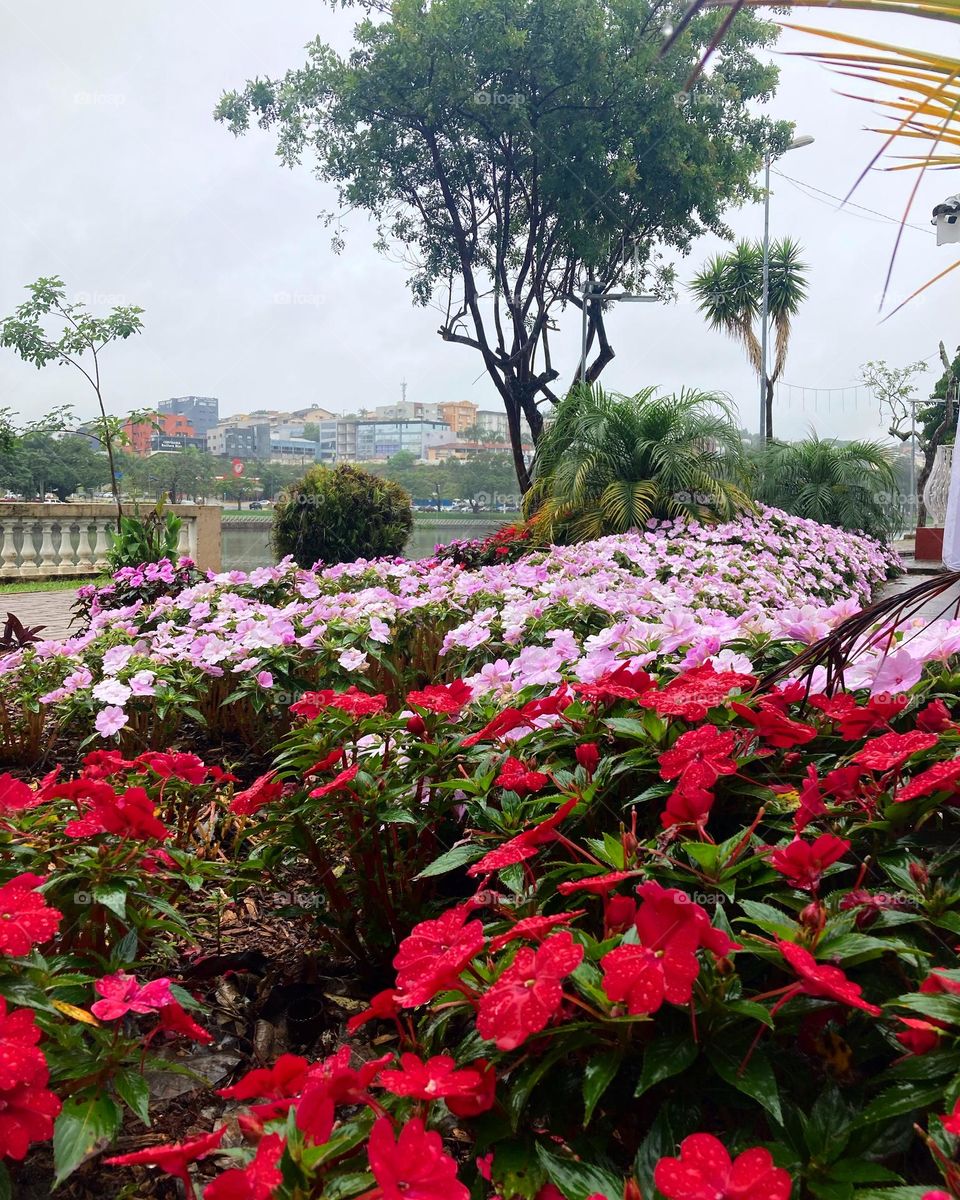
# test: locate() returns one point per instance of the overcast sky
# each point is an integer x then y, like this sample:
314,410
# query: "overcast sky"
115,176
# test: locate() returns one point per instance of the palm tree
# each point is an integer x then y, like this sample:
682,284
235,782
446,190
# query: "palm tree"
608,463
729,291
851,485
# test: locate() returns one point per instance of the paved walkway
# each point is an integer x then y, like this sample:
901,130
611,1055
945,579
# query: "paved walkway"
50,609
941,607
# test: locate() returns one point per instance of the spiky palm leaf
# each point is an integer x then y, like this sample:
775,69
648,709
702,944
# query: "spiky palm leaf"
852,486
609,463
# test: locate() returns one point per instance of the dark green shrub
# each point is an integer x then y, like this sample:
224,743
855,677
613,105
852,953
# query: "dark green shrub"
339,514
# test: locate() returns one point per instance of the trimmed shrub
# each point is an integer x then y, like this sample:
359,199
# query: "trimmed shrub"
340,514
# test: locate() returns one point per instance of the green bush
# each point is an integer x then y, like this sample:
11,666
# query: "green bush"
340,514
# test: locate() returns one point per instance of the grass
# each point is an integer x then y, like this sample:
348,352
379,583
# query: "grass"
52,585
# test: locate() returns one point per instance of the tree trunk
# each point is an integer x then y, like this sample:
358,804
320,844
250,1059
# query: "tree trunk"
512,406
768,411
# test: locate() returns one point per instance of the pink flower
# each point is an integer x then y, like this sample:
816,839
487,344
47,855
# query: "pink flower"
122,994
110,720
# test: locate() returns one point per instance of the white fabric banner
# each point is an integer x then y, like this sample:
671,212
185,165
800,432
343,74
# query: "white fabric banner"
951,526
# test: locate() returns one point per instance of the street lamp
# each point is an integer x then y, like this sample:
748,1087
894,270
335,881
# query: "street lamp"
592,292
796,144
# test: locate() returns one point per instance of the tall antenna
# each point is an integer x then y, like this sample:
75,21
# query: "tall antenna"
403,390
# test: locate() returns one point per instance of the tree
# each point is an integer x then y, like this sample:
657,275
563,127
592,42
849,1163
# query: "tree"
729,292
609,463
340,514
519,151
37,463
274,477
236,487
932,424
78,344
851,485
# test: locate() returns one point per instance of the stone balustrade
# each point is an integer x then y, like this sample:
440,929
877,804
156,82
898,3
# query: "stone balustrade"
50,541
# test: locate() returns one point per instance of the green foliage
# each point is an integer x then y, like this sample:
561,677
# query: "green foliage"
852,486
518,150
145,539
339,514
609,463
37,463
929,418
486,478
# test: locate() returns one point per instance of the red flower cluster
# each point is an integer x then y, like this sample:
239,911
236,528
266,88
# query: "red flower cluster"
893,749
854,720
620,684
414,1167
26,919
696,760
826,982
434,953
516,777
353,702
439,1078
442,698
694,693
27,1108
774,727
264,790
130,814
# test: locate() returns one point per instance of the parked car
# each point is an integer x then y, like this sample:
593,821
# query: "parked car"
256,505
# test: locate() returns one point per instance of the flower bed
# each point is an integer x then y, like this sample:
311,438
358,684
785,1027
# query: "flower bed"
232,652
628,926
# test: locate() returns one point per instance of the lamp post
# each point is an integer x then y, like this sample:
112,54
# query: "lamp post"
592,292
796,144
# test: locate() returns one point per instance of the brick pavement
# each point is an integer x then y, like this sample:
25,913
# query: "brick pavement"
51,609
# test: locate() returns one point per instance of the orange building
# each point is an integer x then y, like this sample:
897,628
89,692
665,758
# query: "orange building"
140,433
460,415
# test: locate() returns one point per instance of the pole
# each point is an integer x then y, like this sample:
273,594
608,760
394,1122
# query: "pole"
583,333
914,506
765,301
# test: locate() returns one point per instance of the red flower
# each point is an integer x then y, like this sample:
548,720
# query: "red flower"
893,749
480,1100
433,954
352,702
528,993
505,722
667,917
698,758
534,928
936,984
284,1080
173,1159
257,1181
338,783
694,693
587,755
524,845
515,777
123,994
174,765
690,807
27,1113
934,718
941,777
803,863
101,764
16,796
316,1114
21,1062
826,982
811,803
621,684
434,1079
341,1082
920,1037
445,698
383,1007
25,917
414,1167
325,764
775,728
644,978
704,1171
264,790
853,721
951,1123
130,815
175,1019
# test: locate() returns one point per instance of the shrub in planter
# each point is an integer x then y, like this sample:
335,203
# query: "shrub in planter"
339,514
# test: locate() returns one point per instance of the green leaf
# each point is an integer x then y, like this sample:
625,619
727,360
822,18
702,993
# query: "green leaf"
457,856
664,1057
899,1099
861,1170
597,1077
578,1180
828,1127
134,1091
114,898
756,1079
85,1124
6,1187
